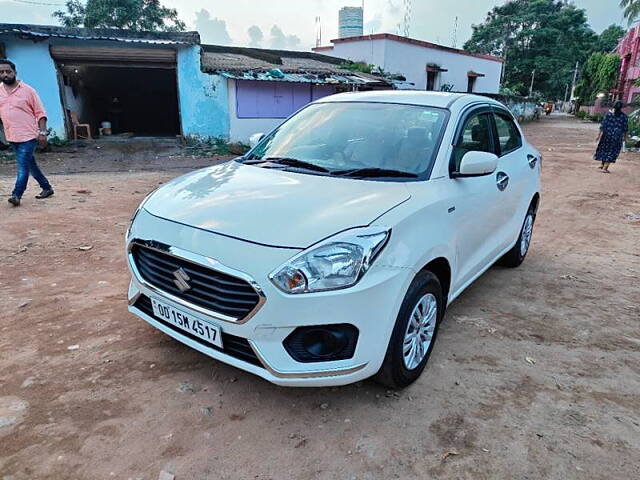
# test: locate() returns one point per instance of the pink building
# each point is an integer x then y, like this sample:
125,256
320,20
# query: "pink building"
629,51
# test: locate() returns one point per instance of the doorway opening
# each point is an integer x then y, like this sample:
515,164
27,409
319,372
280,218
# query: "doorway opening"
129,100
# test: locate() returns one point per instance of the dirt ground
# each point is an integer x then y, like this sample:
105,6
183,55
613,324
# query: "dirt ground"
112,155
536,373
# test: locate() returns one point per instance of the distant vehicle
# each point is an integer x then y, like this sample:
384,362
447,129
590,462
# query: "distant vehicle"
548,108
329,253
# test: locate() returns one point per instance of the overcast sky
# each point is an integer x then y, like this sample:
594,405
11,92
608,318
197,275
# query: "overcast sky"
291,23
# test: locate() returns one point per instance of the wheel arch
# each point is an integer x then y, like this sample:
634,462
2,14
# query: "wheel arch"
535,203
441,268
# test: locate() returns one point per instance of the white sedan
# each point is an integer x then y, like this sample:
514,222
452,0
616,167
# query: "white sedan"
329,253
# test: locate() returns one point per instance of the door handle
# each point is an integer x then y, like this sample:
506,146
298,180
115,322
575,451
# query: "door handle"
533,160
502,180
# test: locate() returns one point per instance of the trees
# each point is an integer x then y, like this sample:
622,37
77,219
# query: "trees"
599,75
631,9
140,15
546,35
609,38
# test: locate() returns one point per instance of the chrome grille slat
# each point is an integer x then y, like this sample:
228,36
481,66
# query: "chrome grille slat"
192,268
213,290
192,297
217,290
216,302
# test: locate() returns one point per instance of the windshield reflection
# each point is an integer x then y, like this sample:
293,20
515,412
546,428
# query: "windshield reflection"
351,136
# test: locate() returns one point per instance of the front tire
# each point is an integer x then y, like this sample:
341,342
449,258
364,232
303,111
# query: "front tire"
514,257
414,333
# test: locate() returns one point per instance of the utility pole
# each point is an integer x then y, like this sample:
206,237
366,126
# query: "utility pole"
533,77
575,78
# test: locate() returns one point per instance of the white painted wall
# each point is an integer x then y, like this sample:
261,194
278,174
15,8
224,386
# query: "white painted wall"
411,61
75,104
367,51
240,129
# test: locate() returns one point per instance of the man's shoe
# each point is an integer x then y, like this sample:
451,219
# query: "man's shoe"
15,201
44,194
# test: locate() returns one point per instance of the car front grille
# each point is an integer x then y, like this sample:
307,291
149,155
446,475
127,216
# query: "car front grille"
212,290
233,346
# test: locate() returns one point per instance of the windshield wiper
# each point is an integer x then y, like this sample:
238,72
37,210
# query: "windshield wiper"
290,162
373,172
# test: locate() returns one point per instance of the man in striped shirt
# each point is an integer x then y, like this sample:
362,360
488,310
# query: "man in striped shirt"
25,126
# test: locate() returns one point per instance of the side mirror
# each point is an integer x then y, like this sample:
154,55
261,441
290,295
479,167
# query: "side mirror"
255,139
476,164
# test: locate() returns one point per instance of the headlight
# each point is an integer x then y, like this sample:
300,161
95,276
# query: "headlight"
339,262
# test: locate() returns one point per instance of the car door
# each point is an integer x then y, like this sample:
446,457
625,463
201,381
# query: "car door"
473,199
516,173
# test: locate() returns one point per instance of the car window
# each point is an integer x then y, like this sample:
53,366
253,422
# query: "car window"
476,136
357,135
508,134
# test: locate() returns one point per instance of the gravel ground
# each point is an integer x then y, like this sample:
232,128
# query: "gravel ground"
536,373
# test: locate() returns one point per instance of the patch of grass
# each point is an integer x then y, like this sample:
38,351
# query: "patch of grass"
357,67
7,157
209,146
56,141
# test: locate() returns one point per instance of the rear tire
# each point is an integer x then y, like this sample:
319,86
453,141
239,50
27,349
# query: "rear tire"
416,323
514,257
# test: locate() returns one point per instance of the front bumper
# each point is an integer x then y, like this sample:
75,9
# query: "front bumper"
371,306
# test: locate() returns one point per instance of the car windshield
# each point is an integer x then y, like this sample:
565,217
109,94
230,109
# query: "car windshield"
356,139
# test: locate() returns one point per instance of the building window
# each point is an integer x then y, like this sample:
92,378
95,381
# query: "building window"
471,84
432,77
471,80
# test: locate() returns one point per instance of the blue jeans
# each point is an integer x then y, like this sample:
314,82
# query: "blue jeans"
27,164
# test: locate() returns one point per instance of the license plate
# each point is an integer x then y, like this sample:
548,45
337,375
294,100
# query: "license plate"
187,322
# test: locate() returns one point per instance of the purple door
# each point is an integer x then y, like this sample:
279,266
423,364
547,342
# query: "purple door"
255,99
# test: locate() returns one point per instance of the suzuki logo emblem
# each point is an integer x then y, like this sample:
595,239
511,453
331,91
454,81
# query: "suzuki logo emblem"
181,280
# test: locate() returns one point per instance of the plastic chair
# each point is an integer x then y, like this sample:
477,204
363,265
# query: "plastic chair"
79,126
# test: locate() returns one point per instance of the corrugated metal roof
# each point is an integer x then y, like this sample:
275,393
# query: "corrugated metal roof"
115,35
76,53
237,62
301,67
327,79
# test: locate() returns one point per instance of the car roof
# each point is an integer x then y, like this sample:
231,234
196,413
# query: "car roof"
410,97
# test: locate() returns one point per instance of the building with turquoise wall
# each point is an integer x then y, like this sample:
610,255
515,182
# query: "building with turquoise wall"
36,67
155,77
203,100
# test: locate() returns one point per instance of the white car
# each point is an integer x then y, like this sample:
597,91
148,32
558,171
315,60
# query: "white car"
329,253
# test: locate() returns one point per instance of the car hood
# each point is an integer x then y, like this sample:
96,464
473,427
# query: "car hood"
273,207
